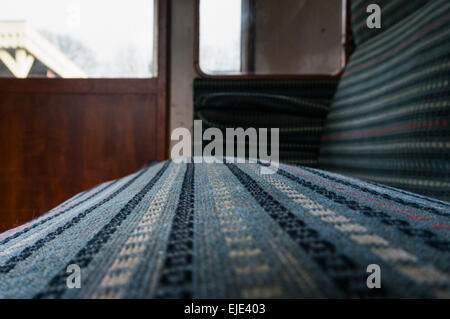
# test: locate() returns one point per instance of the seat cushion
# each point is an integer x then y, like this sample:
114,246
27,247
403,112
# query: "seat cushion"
223,230
389,120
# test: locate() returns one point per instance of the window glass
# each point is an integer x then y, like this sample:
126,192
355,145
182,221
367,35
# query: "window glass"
77,39
220,36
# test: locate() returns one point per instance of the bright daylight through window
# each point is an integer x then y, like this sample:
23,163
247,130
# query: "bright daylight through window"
77,39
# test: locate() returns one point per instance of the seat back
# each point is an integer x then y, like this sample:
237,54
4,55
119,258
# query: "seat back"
389,119
297,107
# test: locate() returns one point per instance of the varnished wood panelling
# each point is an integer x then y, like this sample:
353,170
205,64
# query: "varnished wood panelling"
53,146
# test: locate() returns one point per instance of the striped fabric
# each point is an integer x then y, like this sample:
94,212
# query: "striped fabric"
223,230
392,12
389,120
297,107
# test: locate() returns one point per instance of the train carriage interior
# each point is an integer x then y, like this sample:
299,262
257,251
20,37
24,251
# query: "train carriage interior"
225,149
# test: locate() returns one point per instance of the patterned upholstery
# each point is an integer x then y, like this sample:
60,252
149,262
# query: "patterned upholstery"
223,230
392,12
389,120
297,107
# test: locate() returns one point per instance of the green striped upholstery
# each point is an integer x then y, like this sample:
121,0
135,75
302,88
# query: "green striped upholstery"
297,107
389,120
392,12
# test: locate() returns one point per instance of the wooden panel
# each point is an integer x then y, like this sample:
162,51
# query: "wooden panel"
59,137
53,146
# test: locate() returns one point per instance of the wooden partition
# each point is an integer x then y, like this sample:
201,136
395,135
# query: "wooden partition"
62,136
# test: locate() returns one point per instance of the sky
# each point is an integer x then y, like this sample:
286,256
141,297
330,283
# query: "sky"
105,26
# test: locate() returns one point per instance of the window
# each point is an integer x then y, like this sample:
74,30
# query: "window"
77,39
266,37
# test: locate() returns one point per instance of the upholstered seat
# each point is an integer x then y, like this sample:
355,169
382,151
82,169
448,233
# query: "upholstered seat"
386,120
223,230
389,119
